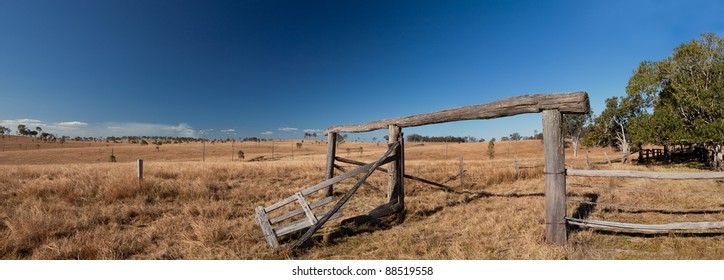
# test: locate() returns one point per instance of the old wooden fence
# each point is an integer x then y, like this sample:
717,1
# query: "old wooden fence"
646,227
552,106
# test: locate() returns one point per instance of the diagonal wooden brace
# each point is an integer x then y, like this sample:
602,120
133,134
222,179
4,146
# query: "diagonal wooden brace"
307,210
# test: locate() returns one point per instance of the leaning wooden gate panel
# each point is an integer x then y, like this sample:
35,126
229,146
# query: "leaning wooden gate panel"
271,226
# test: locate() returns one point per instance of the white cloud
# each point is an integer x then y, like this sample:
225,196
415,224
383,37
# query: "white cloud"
28,121
73,123
267,133
228,130
15,123
182,129
312,130
288,129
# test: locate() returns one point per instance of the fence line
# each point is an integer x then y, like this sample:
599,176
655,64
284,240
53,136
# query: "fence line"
641,190
654,228
646,227
646,174
644,209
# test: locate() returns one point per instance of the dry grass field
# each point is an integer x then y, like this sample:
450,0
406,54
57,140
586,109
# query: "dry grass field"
68,202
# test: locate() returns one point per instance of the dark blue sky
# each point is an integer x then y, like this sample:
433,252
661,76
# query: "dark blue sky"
266,68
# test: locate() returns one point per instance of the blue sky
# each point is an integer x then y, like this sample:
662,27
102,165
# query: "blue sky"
274,69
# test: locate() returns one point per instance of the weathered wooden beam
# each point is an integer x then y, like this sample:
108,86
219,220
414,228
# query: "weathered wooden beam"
331,152
305,207
569,103
346,197
647,174
393,171
328,182
555,177
263,221
302,224
299,211
645,227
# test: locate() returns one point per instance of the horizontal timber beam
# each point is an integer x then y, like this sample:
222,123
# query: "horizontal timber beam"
646,174
645,227
567,103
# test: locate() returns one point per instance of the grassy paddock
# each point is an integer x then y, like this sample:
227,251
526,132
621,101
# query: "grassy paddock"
58,204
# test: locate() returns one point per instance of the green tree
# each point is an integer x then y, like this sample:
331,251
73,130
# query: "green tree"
684,94
611,127
4,130
23,130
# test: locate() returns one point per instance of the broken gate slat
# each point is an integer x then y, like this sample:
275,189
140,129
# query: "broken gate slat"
296,212
301,224
307,210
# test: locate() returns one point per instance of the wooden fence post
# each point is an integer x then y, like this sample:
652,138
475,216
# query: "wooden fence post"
140,172
331,151
555,177
394,171
517,168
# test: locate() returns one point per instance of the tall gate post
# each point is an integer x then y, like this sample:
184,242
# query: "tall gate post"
395,171
331,153
555,176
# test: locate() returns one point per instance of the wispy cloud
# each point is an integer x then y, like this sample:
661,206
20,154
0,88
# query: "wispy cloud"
267,133
287,129
228,130
312,130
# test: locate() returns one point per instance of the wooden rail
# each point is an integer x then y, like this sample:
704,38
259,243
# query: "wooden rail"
646,174
569,103
645,227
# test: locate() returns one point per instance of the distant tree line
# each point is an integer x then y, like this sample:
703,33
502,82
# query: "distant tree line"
450,139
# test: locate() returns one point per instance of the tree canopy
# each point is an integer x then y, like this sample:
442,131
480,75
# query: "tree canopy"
681,98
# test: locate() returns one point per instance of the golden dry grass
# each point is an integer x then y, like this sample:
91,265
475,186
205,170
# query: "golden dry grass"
68,203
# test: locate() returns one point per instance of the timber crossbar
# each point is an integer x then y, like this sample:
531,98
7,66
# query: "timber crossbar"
644,227
567,103
646,174
273,228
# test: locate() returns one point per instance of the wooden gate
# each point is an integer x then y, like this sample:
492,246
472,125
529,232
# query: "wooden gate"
552,106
